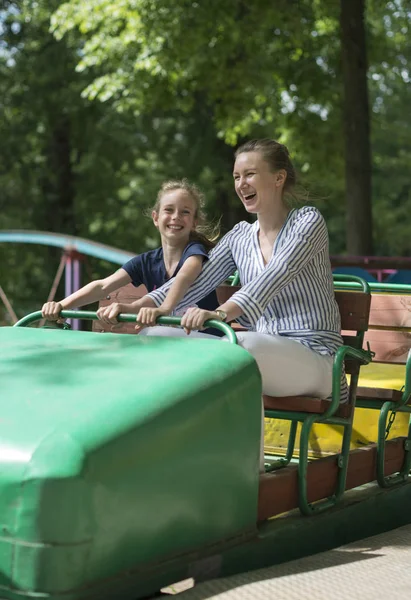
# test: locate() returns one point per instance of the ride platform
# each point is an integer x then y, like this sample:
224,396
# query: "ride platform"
373,568
344,561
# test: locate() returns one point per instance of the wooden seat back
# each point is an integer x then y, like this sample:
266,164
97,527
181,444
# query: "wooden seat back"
355,313
125,295
389,333
389,336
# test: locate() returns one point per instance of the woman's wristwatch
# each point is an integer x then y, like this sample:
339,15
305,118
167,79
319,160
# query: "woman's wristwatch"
222,314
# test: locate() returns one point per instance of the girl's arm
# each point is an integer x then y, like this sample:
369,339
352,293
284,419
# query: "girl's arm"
180,284
92,292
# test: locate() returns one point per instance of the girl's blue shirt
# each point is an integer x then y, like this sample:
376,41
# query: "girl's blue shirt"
149,269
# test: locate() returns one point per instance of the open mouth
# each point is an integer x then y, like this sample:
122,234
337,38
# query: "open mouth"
249,197
175,227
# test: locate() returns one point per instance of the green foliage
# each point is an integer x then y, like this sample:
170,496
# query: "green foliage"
101,101
231,54
390,59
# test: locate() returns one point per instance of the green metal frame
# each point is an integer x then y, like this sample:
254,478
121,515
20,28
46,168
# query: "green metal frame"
127,318
342,283
352,282
385,408
308,420
346,282
328,417
236,279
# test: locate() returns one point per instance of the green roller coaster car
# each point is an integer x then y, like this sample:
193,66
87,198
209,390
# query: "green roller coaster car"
128,463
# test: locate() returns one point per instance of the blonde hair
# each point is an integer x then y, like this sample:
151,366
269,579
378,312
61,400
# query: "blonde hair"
205,233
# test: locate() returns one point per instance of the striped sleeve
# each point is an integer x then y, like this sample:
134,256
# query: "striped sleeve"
219,266
307,237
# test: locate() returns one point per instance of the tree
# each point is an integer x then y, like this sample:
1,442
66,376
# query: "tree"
390,93
356,129
256,66
253,69
175,90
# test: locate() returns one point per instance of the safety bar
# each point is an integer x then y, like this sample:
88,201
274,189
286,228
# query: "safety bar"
126,318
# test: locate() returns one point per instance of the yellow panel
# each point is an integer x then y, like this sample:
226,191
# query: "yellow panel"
387,376
326,439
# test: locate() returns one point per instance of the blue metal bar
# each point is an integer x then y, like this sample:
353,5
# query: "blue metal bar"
68,242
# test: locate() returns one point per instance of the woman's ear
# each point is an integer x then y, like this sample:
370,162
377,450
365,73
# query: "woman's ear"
281,177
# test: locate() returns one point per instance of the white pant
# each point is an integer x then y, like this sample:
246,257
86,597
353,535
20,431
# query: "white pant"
287,367
163,331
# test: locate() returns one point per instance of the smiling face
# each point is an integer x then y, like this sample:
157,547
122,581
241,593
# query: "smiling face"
257,186
176,216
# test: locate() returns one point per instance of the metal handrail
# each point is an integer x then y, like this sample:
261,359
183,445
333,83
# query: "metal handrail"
127,318
354,280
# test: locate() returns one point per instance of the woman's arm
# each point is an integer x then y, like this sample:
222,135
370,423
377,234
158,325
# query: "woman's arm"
307,237
219,266
92,292
186,276
195,317
181,282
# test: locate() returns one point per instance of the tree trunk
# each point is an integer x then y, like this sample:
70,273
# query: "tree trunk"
356,122
58,184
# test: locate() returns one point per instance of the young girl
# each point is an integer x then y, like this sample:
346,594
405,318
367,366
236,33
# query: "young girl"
178,216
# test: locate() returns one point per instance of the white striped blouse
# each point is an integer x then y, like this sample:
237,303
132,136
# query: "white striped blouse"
292,295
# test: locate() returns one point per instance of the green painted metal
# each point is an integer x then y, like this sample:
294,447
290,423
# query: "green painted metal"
308,420
329,418
354,280
391,288
235,279
116,458
284,461
127,318
392,407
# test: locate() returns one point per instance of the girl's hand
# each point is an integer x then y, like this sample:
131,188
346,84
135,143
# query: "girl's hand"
147,317
51,311
108,314
194,318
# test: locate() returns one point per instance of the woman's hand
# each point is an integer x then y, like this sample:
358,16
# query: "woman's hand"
51,311
108,314
146,317
194,318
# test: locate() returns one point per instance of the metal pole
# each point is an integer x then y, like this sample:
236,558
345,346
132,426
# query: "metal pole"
8,305
68,278
76,285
